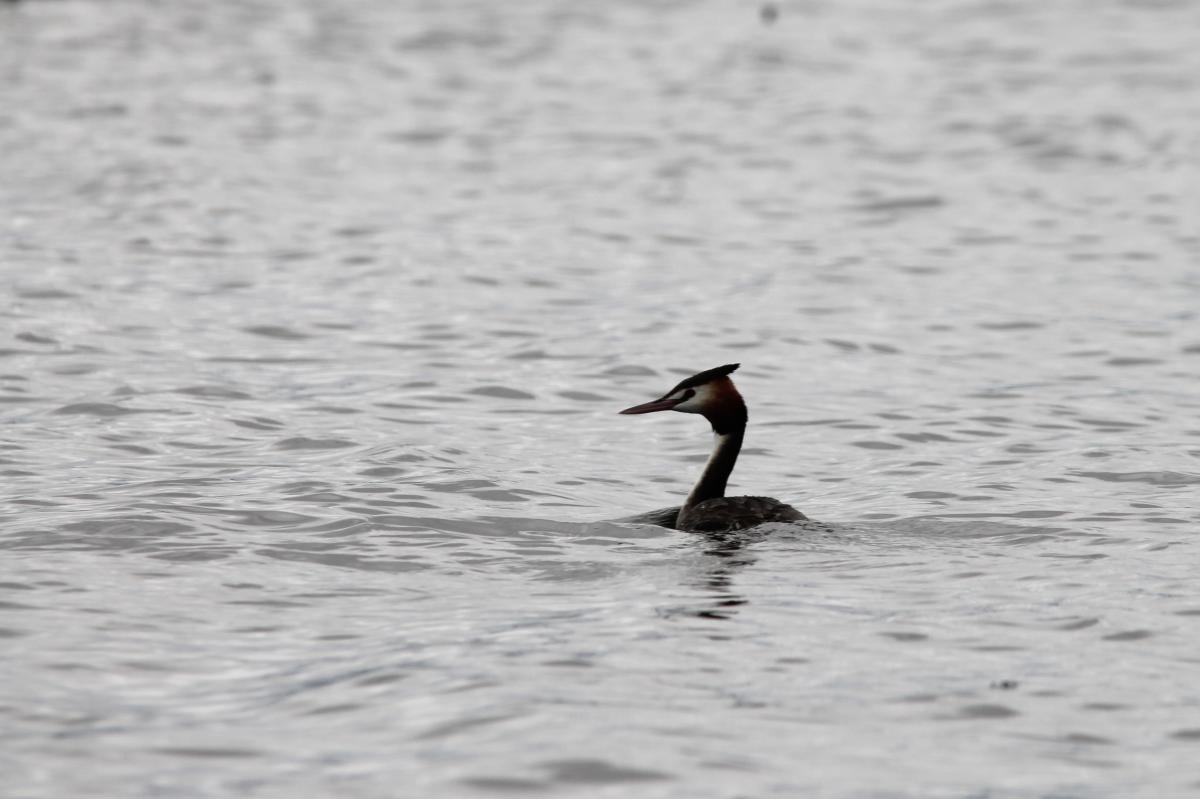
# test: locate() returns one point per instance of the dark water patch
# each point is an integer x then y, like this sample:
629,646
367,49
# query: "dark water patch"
355,231
1078,624
210,752
986,711
258,423
337,528
304,492
629,371
538,354
996,394
890,205
583,396
16,399
44,294
587,771
386,471
7,605
445,399
459,725
259,629
1110,424
267,603
438,40
401,345
420,136
133,449
411,504
907,637
980,433
302,443
1086,739
275,331
833,422
569,663
918,699
679,240
264,360
1031,514
501,392
1011,325
500,495
111,533
343,560
996,648
947,527
79,368
611,236
292,256
101,409
1187,734
329,710
1133,361
481,280
458,486
513,785
214,392
269,518
34,338
1164,478
1129,635
922,438
338,410
442,335
383,678
193,553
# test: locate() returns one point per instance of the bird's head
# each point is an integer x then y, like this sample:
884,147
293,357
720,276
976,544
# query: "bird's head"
710,393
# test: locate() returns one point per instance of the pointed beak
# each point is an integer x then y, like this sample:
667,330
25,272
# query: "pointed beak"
657,405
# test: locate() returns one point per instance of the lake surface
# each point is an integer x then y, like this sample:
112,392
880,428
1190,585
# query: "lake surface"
317,319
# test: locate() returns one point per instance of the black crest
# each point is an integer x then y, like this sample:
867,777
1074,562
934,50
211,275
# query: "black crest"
706,376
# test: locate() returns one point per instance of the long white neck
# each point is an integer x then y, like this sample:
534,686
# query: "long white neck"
720,465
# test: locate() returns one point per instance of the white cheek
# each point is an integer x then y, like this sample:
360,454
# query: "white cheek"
695,404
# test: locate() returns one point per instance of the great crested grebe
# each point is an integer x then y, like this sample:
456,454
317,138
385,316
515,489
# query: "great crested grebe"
707,509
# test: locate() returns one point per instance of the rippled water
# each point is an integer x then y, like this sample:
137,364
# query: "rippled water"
319,316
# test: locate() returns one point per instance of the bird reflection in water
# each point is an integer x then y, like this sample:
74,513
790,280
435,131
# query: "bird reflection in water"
727,555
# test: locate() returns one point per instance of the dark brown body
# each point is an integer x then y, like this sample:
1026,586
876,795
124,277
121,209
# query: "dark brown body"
722,514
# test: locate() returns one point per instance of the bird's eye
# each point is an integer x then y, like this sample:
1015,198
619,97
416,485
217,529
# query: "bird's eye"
687,395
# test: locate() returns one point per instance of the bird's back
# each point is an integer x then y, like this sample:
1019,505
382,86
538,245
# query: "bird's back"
722,514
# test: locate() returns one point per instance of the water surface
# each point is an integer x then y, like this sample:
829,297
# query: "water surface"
319,318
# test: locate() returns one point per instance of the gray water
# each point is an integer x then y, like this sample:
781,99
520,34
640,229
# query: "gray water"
317,318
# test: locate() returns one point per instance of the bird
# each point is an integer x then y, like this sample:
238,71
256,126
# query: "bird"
712,394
